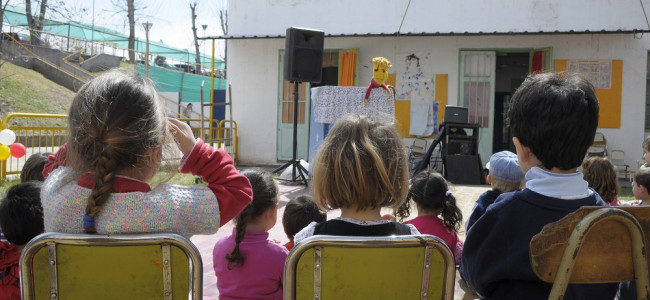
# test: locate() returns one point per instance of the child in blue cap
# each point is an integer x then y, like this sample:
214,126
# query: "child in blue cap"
504,176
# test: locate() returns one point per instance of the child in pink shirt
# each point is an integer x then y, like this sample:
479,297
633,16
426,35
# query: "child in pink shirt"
438,214
246,263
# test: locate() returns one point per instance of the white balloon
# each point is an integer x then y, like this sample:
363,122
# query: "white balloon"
7,137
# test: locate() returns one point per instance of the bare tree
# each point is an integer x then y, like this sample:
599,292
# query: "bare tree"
223,17
196,40
130,7
3,6
35,24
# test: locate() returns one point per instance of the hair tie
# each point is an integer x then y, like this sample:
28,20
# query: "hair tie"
89,221
447,193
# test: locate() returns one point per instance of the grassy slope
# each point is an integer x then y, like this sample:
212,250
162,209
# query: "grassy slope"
25,90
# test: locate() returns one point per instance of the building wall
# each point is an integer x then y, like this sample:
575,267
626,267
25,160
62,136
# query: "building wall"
365,16
254,71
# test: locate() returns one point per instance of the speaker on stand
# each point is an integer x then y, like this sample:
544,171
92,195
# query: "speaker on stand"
461,161
303,62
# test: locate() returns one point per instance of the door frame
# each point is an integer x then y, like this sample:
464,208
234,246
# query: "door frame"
302,150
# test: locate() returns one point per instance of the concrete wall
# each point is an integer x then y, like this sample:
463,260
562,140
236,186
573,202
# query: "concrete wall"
370,16
58,76
19,56
16,55
101,62
253,66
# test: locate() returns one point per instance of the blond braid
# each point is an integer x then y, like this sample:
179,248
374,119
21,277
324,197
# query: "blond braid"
104,175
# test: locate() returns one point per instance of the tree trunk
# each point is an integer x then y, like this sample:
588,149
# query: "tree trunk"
2,13
40,22
131,14
35,25
223,17
30,21
196,40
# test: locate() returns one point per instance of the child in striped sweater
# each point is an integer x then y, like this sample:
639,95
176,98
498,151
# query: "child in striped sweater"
98,181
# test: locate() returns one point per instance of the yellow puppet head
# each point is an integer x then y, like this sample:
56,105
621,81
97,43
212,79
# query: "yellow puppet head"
380,65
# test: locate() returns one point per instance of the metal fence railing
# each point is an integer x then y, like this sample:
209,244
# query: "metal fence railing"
48,137
36,139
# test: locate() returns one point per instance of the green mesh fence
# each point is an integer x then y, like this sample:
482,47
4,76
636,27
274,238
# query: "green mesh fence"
188,84
15,16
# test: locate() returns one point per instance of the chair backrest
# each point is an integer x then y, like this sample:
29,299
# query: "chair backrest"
599,146
610,246
395,267
599,139
90,266
419,147
617,157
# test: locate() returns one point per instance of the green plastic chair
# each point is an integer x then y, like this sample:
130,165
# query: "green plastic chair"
90,266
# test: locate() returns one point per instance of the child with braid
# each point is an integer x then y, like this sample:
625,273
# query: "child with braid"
246,263
118,135
438,214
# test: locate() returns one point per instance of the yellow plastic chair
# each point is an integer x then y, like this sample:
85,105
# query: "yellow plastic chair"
90,266
395,267
593,245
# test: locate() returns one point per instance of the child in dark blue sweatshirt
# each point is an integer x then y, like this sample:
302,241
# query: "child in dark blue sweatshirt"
553,118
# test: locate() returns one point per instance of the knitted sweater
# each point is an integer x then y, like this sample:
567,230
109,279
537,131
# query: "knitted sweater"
134,207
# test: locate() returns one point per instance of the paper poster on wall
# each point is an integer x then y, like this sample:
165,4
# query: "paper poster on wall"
598,72
416,82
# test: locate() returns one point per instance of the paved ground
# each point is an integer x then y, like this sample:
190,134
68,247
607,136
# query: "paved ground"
466,196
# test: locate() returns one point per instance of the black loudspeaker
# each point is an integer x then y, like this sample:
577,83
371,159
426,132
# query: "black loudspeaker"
303,55
464,169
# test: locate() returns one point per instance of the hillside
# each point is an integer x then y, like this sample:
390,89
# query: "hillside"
24,90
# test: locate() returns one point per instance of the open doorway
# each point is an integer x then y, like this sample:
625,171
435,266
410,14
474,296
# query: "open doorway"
511,70
330,71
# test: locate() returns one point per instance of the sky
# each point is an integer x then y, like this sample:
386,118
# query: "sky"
171,19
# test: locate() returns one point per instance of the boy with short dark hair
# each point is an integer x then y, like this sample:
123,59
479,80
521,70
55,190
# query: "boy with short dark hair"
505,175
21,219
553,118
298,213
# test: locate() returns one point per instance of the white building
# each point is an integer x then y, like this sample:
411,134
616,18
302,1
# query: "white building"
476,48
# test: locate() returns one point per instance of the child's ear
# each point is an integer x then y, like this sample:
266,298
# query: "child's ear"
489,179
272,212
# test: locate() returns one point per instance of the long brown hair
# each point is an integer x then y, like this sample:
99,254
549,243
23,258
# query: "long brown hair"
114,122
600,173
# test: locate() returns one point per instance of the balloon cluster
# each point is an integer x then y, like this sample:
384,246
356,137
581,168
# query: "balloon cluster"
8,145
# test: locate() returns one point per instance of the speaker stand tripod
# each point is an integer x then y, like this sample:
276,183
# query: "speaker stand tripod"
295,164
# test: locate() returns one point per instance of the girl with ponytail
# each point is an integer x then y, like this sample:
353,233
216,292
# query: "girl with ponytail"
246,263
118,138
438,214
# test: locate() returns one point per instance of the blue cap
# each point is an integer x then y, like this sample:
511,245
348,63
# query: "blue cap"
504,166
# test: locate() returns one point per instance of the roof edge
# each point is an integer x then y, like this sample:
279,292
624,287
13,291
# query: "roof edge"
395,34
